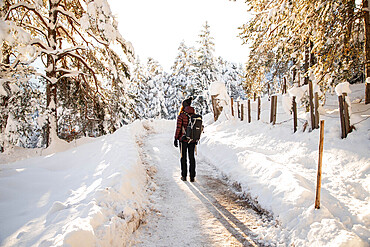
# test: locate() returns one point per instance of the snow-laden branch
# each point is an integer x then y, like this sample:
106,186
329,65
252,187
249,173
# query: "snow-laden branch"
26,6
52,80
42,45
81,60
69,73
35,28
33,58
69,50
66,13
59,27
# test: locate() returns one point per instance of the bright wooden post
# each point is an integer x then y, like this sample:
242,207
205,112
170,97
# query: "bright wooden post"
249,110
294,115
242,112
232,106
258,108
321,148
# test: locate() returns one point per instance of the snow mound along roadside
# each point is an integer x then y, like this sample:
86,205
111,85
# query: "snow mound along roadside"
278,169
92,195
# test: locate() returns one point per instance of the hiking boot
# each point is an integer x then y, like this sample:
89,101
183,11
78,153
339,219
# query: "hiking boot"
183,178
192,180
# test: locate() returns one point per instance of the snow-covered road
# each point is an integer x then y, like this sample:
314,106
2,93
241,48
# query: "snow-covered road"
207,212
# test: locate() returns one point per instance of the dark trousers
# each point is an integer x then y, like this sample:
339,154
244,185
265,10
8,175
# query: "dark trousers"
187,148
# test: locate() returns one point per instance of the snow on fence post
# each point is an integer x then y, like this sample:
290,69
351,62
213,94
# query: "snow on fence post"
232,106
258,108
294,114
220,99
249,110
321,147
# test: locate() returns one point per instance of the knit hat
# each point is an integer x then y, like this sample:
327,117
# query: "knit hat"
187,102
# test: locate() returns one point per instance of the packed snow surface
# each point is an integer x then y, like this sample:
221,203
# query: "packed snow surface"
98,193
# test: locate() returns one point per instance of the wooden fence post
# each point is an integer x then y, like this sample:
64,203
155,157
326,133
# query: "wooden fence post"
242,112
321,147
217,109
341,115
346,115
254,96
294,115
232,106
284,86
310,90
249,110
317,116
273,109
258,108
237,105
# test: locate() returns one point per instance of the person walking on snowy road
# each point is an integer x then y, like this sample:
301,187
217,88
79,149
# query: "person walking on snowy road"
186,147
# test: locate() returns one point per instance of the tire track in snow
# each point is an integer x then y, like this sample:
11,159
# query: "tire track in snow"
204,213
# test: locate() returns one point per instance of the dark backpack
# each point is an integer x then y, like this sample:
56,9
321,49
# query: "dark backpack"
194,128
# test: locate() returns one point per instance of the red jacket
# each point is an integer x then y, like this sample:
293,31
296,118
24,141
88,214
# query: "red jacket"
182,122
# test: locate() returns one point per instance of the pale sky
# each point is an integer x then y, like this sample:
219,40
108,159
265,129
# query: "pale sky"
156,27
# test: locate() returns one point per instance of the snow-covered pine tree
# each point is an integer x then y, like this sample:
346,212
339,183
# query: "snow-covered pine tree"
156,99
17,92
73,39
233,76
205,71
138,90
172,97
182,78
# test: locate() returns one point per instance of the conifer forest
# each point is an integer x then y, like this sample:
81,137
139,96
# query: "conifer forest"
67,72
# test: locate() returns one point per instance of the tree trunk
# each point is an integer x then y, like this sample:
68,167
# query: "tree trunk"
365,5
51,87
294,71
312,56
306,61
347,37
